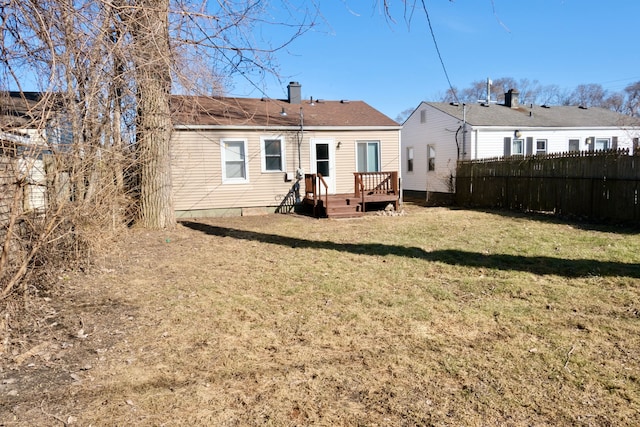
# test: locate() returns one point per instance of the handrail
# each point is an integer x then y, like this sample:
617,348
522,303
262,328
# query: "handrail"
368,187
326,192
359,187
311,187
376,182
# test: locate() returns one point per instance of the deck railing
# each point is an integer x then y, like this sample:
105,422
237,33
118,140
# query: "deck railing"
313,184
369,187
377,187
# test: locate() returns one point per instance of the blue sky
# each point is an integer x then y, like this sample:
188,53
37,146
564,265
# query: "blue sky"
357,54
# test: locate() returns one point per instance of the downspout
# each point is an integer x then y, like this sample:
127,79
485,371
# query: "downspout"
299,171
300,139
464,130
400,183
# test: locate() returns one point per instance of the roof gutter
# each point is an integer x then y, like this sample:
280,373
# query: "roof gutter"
545,128
287,128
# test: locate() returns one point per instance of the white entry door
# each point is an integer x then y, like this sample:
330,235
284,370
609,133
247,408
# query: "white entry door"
323,161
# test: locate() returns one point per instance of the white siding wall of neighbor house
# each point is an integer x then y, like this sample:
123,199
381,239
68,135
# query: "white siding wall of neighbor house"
197,167
36,191
487,142
421,130
414,137
31,166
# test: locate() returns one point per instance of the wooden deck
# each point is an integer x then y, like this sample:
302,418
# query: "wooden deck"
372,191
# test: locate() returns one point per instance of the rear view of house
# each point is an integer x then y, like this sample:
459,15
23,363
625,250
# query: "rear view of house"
240,156
437,135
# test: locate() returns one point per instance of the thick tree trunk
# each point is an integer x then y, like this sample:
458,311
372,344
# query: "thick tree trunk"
152,55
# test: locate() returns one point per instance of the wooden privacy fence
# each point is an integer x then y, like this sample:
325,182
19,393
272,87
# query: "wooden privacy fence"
603,185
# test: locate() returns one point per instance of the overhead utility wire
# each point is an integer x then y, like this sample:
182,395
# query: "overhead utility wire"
433,36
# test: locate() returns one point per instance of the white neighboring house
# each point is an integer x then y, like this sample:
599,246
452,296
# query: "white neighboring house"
23,147
29,165
436,135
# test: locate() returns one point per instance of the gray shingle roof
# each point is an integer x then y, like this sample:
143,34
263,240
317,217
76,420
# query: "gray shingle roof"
536,116
19,110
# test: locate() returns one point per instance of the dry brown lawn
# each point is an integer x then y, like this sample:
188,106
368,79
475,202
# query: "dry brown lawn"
440,317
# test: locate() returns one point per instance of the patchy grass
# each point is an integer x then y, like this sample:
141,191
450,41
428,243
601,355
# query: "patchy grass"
440,317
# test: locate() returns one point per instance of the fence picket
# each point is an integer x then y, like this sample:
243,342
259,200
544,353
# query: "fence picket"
600,185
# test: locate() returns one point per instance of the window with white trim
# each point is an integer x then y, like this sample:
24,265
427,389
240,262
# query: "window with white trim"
541,146
368,156
273,159
517,147
235,168
431,158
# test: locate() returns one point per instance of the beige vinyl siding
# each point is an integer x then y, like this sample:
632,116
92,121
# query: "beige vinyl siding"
197,172
197,166
346,154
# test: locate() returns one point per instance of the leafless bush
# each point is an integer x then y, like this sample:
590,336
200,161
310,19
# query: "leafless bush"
47,216
47,230
87,154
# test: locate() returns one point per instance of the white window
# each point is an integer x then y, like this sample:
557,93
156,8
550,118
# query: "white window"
368,156
541,146
517,147
273,159
235,168
410,159
431,158
602,144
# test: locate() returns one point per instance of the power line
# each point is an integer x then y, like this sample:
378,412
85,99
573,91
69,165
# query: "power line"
433,36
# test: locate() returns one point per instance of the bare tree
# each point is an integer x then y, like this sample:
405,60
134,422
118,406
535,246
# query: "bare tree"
105,70
63,134
476,91
633,99
404,115
148,24
588,95
614,102
502,85
450,95
551,95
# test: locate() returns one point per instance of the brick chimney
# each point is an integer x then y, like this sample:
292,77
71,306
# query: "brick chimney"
511,98
295,93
